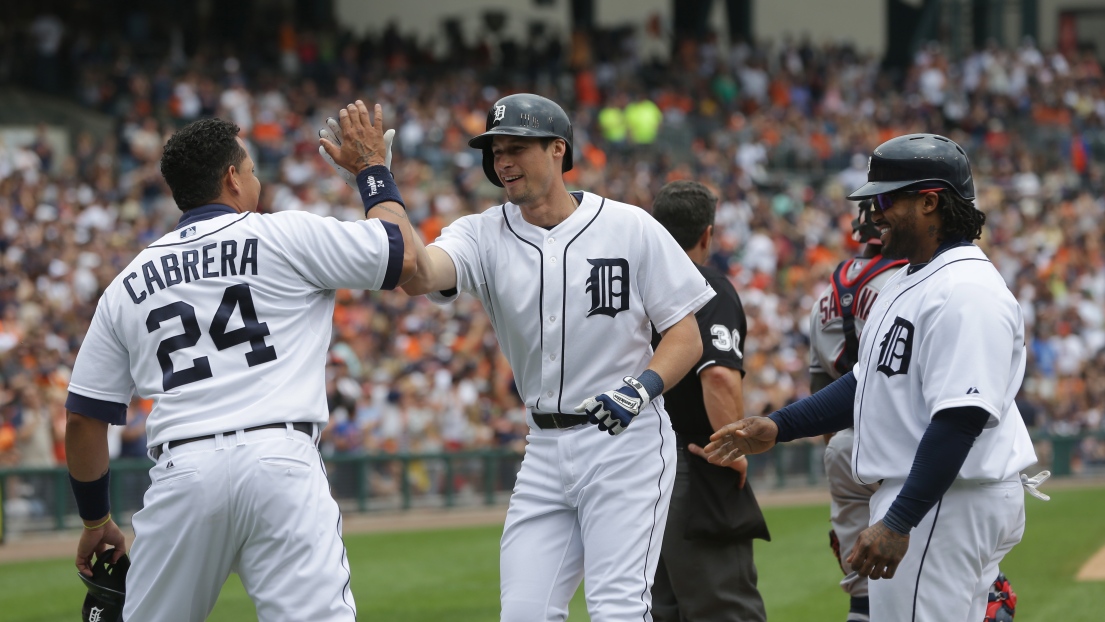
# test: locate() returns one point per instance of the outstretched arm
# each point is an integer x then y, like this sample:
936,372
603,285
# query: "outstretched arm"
435,271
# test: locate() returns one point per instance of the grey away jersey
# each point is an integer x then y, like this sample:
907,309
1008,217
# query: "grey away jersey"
225,322
573,307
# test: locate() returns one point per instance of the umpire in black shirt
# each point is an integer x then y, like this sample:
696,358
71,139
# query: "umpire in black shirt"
706,573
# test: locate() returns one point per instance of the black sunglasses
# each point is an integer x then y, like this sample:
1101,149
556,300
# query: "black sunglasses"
886,201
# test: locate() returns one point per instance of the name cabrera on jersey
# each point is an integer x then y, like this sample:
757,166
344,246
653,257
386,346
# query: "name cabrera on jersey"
949,335
827,326
225,322
573,307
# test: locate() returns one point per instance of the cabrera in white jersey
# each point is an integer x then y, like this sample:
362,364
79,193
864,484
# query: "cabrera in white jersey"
931,397
573,284
224,323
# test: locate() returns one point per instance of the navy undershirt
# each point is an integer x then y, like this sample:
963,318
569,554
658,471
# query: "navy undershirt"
946,246
940,455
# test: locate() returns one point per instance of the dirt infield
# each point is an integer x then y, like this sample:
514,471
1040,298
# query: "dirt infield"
1094,568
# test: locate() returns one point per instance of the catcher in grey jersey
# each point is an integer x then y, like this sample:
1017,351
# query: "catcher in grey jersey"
835,325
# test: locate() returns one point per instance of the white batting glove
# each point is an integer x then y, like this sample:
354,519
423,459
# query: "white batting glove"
332,133
1031,483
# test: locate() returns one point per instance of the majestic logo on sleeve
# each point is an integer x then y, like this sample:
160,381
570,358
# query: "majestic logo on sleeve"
609,286
896,348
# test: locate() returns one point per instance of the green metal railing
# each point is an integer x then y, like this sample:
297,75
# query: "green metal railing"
430,478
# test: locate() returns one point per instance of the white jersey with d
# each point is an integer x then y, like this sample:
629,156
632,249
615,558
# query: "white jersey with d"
225,323
573,309
912,365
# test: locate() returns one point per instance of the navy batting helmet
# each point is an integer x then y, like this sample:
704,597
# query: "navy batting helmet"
916,159
106,589
523,114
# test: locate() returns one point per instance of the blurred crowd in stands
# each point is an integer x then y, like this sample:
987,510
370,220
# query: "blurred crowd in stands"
780,130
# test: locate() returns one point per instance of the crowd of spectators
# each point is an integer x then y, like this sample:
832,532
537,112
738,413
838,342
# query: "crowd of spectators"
779,129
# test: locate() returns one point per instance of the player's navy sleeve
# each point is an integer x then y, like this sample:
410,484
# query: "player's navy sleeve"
109,412
395,255
829,410
940,455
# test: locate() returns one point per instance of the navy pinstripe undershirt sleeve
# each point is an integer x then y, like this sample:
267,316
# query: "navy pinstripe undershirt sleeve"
395,255
110,412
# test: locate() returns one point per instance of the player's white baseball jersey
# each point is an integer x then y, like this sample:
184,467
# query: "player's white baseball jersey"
225,323
573,309
948,335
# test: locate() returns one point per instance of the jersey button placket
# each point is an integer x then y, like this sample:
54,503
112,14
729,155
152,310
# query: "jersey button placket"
552,327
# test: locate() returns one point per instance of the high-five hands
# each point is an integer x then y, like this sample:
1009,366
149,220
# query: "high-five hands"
355,141
751,435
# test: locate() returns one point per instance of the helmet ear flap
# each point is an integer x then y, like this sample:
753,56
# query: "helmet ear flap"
489,168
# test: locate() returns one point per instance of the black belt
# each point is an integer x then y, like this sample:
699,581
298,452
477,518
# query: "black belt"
559,421
304,427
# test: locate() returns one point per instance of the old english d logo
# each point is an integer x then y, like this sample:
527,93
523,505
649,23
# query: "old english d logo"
609,286
896,348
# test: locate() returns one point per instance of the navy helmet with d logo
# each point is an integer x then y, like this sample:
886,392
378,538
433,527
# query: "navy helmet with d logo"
523,114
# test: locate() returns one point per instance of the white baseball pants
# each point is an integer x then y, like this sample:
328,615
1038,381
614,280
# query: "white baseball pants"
590,506
953,553
255,503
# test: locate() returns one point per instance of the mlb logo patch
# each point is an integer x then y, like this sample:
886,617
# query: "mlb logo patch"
189,232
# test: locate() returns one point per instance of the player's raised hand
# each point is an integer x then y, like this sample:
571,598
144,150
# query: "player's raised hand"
332,132
362,138
751,435
878,551
614,410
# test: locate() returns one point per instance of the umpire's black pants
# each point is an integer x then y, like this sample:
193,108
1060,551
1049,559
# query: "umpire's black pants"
702,580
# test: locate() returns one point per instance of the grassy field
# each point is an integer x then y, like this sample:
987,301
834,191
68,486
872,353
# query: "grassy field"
453,574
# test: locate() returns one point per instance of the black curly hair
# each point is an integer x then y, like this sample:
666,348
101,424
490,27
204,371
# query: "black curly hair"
196,158
685,208
960,219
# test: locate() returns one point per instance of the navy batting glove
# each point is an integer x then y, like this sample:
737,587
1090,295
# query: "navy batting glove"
614,410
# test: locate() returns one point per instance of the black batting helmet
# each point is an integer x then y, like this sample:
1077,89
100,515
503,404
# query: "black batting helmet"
916,159
523,114
106,589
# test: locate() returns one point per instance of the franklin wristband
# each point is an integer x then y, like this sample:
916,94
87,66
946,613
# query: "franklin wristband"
649,384
93,500
376,185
